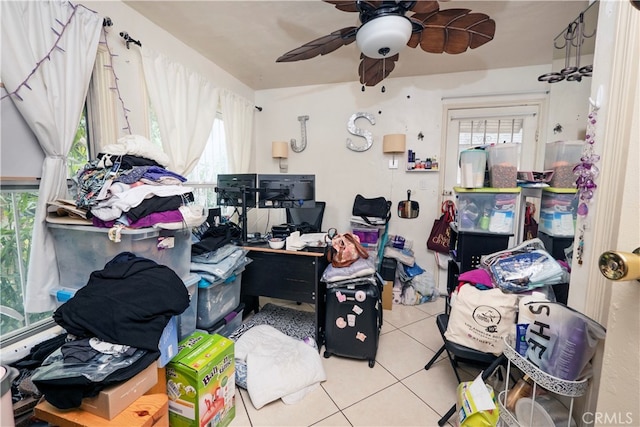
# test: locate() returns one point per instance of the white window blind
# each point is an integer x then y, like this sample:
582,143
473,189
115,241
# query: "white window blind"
474,132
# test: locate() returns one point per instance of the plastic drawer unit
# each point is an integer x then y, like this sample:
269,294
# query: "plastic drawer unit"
80,250
558,211
487,210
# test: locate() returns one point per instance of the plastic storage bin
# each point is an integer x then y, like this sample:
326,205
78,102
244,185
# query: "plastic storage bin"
368,236
216,300
472,167
561,157
80,250
187,320
558,211
486,210
503,165
228,323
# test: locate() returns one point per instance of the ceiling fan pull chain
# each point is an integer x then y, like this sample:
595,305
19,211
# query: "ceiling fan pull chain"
384,63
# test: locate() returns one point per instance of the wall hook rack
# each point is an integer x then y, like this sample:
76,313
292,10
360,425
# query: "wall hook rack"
572,39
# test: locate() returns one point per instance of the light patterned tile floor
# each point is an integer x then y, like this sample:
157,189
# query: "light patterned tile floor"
397,391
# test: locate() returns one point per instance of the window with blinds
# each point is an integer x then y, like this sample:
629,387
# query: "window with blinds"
476,132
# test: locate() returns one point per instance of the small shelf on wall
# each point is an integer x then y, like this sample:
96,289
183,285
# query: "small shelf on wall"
415,164
423,170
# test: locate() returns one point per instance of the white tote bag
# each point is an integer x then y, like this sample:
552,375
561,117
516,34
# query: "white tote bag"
480,318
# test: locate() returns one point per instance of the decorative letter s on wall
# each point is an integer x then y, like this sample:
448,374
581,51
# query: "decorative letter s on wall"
351,125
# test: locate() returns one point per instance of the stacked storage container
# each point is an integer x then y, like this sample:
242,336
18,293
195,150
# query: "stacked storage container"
485,222
80,250
219,308
558,214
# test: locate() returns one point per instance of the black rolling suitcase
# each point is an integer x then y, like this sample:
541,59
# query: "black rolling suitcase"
354,318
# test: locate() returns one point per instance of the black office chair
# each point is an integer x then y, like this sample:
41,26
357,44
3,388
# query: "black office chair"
459,353
307,220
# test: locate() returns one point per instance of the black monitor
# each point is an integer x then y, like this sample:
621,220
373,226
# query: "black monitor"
230,189
286,191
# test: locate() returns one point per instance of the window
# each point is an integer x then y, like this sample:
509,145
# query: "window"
18,202
473,127
18,207
213,160
489,131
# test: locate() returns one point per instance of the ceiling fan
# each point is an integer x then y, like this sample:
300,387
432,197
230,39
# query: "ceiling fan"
387,26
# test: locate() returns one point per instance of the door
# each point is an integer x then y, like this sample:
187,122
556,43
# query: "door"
470,125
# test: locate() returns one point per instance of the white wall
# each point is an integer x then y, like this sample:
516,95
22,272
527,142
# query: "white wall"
408,105
128,67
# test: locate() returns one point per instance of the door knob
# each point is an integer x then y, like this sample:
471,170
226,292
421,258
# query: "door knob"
615,265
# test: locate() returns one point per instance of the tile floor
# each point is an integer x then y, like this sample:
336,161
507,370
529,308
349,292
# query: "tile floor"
397,391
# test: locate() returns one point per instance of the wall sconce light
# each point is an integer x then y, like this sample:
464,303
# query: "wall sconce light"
280,150
394,144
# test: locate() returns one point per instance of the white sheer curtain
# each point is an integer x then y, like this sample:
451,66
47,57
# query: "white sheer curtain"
185,104
51,103
237,114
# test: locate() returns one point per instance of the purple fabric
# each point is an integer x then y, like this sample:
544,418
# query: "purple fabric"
154,173
146,221
477,276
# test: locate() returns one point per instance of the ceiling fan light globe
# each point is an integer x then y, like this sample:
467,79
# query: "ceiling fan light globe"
384,36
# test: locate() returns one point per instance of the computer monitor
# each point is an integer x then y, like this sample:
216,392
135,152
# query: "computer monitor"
286,191
230,188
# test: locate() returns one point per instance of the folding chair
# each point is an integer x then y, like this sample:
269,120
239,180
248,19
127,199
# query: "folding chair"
459,353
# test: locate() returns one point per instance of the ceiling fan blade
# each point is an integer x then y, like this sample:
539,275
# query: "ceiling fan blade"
352,6
373,71
425,7
417,22
321,46
455,30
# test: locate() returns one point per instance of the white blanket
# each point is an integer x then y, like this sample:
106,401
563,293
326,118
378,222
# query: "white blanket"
278,366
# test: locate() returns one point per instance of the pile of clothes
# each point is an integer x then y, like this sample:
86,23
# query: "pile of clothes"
113,327
412,285
128,185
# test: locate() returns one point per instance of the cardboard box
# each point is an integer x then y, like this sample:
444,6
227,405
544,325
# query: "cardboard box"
116,398
387,295
201,382
147,410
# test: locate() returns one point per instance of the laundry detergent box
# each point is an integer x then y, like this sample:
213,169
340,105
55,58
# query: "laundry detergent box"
201,382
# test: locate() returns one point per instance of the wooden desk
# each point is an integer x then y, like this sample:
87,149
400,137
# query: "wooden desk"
288,275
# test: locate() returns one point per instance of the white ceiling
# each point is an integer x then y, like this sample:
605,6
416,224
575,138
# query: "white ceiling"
246,37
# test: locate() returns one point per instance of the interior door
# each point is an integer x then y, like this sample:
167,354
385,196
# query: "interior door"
526,113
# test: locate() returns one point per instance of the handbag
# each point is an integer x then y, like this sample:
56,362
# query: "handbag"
530,225
479,319
345,250
440,235
378,207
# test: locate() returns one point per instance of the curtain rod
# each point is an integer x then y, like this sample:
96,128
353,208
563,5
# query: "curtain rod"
128,39
481,95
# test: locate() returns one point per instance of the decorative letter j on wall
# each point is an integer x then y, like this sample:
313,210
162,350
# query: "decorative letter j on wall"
303,131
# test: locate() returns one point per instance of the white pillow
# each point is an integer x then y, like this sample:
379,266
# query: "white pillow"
278,366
